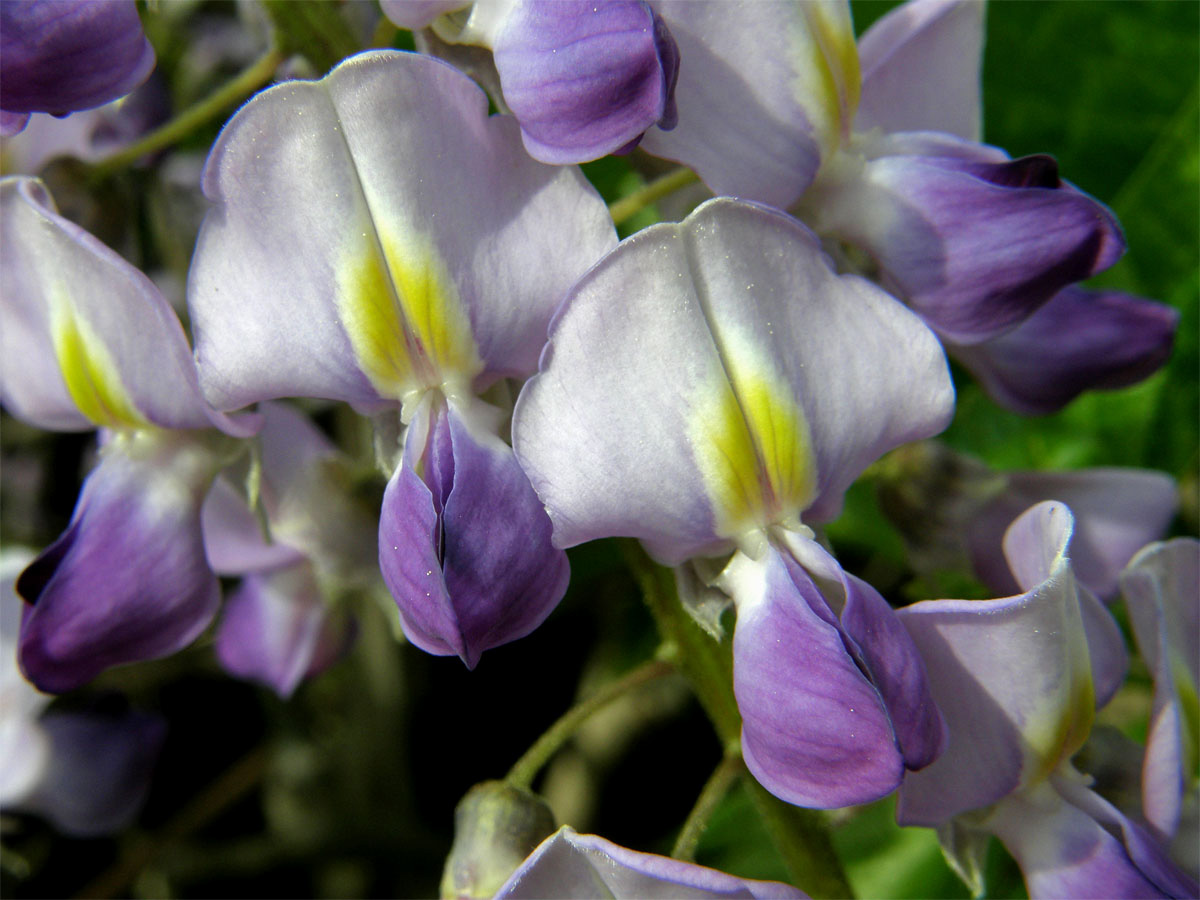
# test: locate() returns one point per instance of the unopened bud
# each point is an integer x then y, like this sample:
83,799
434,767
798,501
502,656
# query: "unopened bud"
496,825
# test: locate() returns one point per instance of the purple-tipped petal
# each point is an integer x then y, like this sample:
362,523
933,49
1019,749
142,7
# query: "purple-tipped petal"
304,494
585,78
63,55
99,770
1064,851
920,69
1078,341
572,865
309,512
975,247
85,338
815,731
1012,677
897,671
276,629
1146,853
464,543
128,580
233,535
1117,511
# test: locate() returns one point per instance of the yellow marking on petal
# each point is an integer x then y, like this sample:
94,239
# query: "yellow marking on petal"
754,451
405,320
835,58
1056,731
90,373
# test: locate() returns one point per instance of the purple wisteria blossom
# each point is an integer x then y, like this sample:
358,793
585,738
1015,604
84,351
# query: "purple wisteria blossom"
742,387
953,511
59,56
280,625
572,865
1019,679
88,342
584,79
87,772
876,147
1161,586
377,238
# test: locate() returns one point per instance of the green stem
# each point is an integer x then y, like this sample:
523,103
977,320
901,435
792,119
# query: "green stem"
627,207
258,74
714,791
800,835
706,664
803,840
526,768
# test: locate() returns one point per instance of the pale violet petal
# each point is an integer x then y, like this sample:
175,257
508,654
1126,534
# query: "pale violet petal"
698,357
1117,511
276,629
1012,677
375,233
1161,586
1064,852
765,90
86,339
921,67
579,866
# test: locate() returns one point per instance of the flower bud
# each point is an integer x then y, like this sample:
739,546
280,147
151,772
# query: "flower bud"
496,825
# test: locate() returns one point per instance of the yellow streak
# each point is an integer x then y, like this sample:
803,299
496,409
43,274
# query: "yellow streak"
836,63
404,317
754,452
89,372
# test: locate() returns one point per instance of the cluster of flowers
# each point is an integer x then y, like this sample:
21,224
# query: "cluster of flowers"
710,386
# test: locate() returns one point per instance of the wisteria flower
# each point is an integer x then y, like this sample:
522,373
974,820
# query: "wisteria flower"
59,56
88,342
568,865
714,386
1161,586
281,624
953,511
376,238
876,148
584,79
1019,679
87,772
